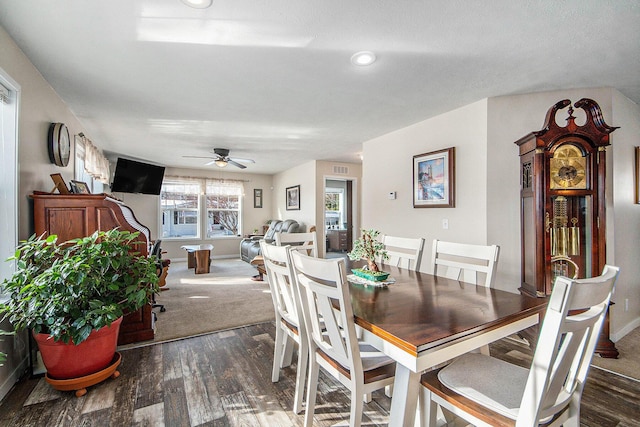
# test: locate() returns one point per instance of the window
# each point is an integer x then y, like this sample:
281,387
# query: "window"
333,206
81,174
189,212
180,204
223,208
8,173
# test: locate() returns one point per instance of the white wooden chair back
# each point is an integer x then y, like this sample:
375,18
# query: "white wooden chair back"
289,323
488,391
280,277
566,344
461,261
404,252
306,242
333,342
331,329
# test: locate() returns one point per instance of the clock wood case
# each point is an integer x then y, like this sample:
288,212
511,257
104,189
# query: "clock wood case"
562,200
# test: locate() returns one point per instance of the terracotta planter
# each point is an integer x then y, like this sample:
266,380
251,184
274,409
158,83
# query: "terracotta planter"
64,361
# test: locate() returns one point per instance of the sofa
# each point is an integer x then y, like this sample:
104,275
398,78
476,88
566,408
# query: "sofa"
250,246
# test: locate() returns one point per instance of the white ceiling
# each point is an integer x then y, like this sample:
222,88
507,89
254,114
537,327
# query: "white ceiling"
271,79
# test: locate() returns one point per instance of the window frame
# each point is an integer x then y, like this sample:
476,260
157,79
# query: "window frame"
203,209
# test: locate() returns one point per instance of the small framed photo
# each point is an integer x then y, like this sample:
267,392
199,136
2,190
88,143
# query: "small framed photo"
79,187
257,197
293,198
60,185
434,179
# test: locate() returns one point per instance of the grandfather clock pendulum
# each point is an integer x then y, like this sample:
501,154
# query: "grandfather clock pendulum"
562,209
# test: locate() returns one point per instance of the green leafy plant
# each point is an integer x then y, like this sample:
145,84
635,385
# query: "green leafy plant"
369,248
67,290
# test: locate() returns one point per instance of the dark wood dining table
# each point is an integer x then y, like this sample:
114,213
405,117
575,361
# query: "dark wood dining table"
423,320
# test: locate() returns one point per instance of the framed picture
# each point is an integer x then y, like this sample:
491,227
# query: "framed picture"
79,187
257,197
293,198
61,186
434,179
637,175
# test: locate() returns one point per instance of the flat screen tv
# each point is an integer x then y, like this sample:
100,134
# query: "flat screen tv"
137,177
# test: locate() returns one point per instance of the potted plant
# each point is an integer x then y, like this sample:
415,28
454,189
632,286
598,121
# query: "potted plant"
369,248
73,296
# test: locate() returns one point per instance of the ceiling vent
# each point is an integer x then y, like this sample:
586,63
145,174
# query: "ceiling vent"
341,170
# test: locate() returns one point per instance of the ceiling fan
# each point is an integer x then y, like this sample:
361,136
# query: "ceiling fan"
221,159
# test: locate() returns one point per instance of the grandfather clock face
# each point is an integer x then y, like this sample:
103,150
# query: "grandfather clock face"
567,168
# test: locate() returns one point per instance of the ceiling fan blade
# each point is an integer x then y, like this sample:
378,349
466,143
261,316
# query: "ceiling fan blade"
238,159
211,162
234,163
201,157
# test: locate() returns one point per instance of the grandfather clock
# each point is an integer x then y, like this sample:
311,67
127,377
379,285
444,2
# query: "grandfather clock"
562,209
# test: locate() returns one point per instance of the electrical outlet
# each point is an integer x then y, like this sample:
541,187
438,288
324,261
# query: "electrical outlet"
445,224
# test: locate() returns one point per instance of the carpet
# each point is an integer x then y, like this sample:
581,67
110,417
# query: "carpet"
628,362
197,304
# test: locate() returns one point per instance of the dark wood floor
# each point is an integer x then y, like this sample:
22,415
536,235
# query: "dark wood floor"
224,379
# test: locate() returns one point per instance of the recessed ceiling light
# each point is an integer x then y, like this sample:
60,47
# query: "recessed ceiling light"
198,4
363,58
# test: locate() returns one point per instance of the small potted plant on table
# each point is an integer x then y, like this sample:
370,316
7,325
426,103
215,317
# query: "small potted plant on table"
369,248
72,296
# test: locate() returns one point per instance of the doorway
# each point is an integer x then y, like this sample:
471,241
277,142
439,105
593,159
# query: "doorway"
338,216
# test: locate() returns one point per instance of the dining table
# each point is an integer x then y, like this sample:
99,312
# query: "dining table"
421,321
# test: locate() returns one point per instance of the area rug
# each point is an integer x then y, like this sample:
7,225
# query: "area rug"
197,304
628,362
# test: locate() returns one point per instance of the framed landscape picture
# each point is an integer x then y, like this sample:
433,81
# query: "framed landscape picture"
293,198
434,179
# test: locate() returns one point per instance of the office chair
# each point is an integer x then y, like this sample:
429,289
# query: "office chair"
163,270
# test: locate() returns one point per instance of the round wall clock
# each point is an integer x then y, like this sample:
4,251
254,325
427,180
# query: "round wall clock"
59,144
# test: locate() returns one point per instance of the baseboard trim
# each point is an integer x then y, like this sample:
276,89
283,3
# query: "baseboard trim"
624,331
13,378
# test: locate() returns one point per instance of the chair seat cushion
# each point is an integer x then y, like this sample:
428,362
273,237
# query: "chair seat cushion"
375,364
500,385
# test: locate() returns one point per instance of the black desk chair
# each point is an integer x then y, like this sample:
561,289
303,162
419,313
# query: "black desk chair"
163,269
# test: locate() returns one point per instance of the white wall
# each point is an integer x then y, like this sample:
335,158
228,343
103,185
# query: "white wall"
39,106
388,166
488,184
304,176
625,216
147,210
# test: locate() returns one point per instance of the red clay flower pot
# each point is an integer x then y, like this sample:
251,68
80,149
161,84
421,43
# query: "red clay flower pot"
65,361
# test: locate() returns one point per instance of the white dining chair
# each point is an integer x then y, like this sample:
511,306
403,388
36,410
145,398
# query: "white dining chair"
333,344
289,325
404,252
462,261
486,391
307,242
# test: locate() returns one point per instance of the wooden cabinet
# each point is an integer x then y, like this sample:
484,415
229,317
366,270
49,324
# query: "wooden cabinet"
77,215
338,240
